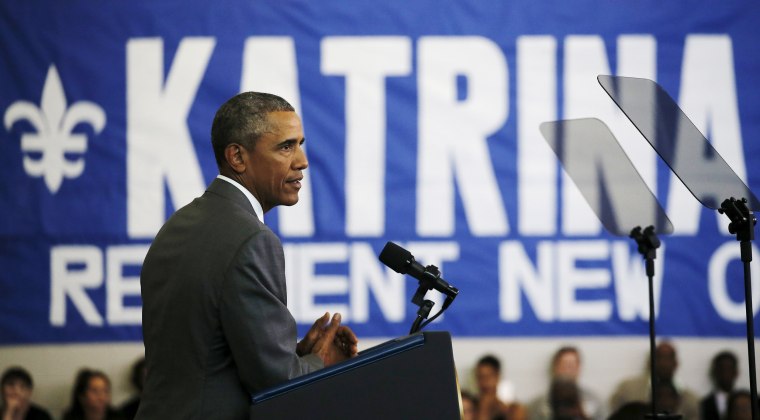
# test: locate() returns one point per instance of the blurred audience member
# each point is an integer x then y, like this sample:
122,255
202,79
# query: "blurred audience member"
488,374
469,406
16,402
129,409
566,365
635,410
565,400
91,398
723,372
667,396
739,406
639,388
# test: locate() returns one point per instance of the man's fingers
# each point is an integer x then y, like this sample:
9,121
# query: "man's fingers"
322,321
332,328
307,343
316,329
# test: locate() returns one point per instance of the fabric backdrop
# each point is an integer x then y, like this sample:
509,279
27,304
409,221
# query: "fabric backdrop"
421,119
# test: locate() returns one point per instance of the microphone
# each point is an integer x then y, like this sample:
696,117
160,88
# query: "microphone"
402,261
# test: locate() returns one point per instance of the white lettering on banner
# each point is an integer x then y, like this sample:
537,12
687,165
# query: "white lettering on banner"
366,62
708,98
453,134
365,274
550,285
305,285
517,274
118,286
160,150
717,280
585,58
463,100
536,163
67,281
78,268
269,65
343,277
571,279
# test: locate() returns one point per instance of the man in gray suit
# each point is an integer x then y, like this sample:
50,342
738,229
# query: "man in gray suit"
215,321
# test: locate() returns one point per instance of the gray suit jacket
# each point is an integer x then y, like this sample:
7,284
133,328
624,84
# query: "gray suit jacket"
215,321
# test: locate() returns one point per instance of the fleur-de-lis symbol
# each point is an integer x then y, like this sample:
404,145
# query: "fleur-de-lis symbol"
53,139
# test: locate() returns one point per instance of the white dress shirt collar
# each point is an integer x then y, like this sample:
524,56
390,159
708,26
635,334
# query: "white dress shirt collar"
254,202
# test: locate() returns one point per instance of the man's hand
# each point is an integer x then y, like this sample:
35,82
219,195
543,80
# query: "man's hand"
304,346
346,340
336,343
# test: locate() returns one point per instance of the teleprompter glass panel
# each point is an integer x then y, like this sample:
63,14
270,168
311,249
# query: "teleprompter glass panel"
605,176
677,140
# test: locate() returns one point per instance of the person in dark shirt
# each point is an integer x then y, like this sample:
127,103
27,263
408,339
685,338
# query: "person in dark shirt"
129,409
17,387
724,370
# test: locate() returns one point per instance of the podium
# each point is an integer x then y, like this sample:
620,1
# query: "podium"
408,377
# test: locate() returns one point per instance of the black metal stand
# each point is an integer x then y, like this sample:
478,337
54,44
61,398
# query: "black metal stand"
422,314
648,242
742,224
427,282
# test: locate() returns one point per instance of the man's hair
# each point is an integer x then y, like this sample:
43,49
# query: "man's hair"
243,119
490,360
724,355
564,350
16,373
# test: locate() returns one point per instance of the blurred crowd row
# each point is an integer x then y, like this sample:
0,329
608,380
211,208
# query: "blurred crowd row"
567,399
491,398
90,396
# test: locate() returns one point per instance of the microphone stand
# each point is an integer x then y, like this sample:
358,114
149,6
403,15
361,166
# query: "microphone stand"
742,224
648,242
426,283
422,313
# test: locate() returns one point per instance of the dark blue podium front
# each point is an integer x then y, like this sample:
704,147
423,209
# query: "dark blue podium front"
409,377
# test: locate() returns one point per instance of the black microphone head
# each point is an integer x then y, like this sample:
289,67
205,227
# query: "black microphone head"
395,257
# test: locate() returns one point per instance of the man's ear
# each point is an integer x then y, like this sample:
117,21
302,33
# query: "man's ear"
233,154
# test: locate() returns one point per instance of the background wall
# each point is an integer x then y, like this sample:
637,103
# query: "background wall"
606,361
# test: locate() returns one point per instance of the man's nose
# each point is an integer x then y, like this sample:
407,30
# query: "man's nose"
300,162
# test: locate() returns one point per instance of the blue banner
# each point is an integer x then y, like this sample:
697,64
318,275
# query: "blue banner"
421,121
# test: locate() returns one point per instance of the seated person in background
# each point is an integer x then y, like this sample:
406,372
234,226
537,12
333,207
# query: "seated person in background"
566,365
91,398
639,388
667,397
635,410
739,407
723,372
487,373
565,400
469,406
17,389
129,409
